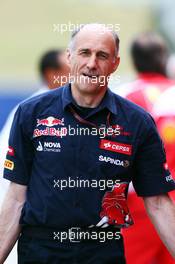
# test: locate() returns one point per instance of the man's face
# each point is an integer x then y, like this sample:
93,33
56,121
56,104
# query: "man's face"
92,60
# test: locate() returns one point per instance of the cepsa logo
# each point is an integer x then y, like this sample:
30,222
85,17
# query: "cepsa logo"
116,147
50,121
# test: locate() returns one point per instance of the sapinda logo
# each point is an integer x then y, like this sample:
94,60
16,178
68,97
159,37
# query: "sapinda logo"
123,163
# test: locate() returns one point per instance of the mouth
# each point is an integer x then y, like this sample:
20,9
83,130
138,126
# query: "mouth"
91,76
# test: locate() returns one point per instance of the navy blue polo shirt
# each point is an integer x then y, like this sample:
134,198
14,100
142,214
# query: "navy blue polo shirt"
68,163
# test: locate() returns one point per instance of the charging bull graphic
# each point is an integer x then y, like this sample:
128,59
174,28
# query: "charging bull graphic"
114,206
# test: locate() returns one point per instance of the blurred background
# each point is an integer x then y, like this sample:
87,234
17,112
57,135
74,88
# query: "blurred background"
27,29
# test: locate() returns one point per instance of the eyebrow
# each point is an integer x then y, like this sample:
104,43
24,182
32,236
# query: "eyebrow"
83,50
98,52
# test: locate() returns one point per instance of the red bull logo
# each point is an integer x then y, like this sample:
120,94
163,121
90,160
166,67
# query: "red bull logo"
50,121
50,131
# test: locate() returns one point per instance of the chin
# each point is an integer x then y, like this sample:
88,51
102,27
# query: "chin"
89,88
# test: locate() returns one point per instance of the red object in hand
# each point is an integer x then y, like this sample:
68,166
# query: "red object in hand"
114,206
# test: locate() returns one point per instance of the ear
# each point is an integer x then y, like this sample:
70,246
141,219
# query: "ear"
68,55
116,63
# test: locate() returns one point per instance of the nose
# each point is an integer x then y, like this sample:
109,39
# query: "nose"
92,63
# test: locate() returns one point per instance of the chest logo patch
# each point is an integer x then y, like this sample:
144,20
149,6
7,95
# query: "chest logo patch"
8,164
48,146
50,121
116,147
11,151
117,162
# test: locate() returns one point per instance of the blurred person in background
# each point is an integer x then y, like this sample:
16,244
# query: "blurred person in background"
149,55
171,66
53,69
164,114
54,72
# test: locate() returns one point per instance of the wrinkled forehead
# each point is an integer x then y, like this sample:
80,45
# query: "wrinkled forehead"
95,37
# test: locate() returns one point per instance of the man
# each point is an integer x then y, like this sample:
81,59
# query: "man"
56,177
54,72
164,113
149,56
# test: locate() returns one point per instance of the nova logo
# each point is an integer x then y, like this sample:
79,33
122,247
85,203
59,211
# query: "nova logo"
49,146
52,145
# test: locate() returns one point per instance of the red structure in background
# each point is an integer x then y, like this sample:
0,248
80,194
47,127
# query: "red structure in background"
142,243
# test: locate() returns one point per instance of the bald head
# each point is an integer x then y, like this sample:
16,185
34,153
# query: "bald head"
93,57
94,29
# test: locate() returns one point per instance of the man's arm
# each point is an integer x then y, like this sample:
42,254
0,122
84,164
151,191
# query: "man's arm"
9,218
161,211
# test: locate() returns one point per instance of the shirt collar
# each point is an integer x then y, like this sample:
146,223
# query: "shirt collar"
108,100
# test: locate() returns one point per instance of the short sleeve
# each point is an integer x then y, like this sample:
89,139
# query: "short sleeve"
18,163
151,175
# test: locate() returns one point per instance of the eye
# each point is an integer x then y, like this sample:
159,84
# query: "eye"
103,56
84,52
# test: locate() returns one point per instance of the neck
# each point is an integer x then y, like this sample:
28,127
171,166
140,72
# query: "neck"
87,99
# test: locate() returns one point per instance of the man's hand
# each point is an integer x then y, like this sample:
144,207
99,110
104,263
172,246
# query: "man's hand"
9,218
114,208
